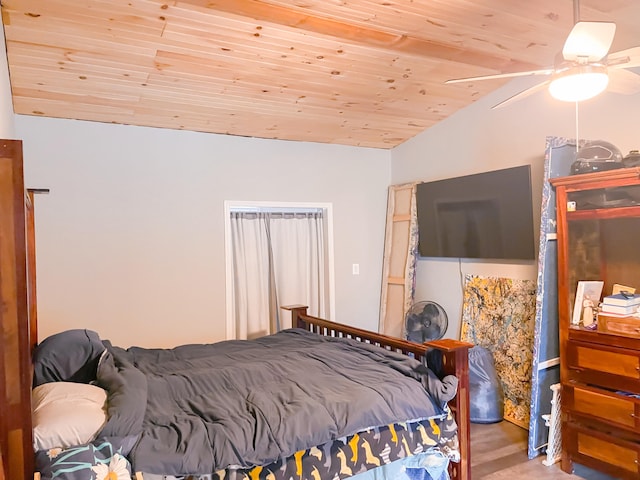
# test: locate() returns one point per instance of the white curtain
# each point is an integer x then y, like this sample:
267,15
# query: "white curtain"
299,256
252,274
278,259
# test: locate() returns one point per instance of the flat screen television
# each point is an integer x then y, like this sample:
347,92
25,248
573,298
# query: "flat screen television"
486,215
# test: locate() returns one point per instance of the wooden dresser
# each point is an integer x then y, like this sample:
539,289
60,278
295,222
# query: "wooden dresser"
17,302
599,239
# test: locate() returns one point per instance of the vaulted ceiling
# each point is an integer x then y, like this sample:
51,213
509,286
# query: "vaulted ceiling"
352,72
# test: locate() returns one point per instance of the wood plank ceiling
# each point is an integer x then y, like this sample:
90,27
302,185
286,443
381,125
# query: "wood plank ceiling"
353,72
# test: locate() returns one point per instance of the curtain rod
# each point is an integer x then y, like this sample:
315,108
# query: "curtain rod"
248,209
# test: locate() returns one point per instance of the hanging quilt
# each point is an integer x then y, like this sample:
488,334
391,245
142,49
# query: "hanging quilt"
499,315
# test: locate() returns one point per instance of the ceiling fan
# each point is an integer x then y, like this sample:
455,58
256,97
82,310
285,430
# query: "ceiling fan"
585,67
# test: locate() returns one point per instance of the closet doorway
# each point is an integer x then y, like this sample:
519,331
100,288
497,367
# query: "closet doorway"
276,254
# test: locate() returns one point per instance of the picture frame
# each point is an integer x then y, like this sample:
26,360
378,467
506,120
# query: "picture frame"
586,290
617,288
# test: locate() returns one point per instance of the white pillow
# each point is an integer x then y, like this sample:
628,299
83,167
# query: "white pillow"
66,414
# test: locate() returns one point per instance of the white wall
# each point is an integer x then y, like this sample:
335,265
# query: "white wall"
478,139
130,241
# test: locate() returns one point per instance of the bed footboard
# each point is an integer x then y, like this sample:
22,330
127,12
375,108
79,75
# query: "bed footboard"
455,358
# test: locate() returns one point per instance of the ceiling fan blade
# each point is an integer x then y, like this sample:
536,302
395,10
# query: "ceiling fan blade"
628,58
545,71
589,41
523,94
623,81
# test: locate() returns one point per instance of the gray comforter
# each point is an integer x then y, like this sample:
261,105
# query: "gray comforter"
201,408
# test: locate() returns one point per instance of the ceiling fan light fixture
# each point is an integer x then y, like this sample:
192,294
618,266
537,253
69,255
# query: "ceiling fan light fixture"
579,83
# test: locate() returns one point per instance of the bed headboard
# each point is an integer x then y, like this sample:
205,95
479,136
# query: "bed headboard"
18,325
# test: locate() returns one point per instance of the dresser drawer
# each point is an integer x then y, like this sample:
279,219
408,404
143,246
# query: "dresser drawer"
623,325
609,367
608,407
592,448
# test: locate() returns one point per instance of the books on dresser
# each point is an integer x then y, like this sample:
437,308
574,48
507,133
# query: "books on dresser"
622,299
619,309
620,304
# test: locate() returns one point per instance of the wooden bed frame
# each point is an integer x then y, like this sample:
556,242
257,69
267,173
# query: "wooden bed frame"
455,356
18,331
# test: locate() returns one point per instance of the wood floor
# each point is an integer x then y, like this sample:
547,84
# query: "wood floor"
499,451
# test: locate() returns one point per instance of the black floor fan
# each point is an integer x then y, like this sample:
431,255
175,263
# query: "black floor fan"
425,321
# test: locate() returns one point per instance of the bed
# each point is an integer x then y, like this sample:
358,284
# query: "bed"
18,342
249,409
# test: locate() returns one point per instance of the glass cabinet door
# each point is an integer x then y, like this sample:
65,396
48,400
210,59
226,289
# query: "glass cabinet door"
602,240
